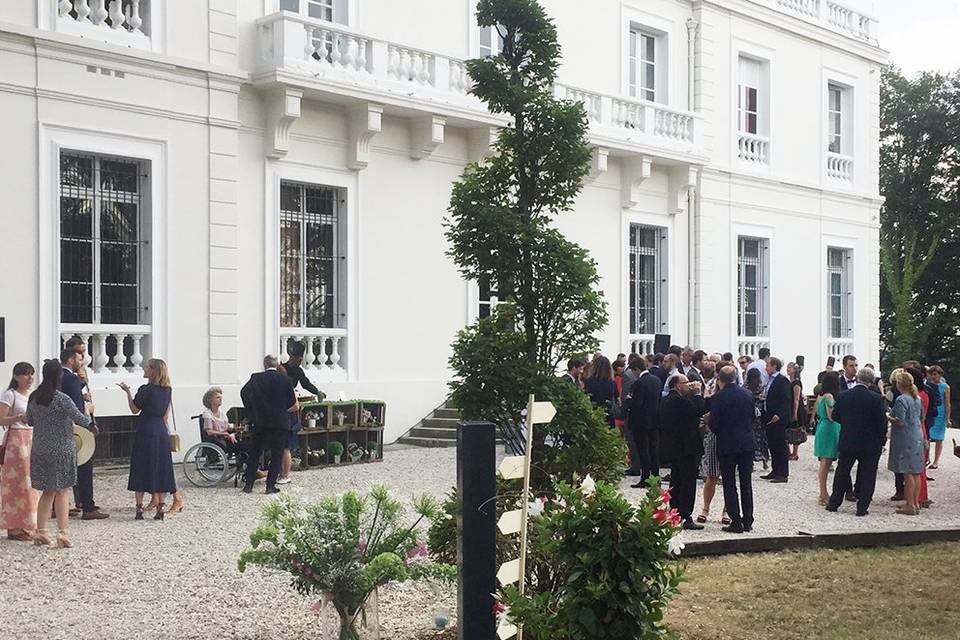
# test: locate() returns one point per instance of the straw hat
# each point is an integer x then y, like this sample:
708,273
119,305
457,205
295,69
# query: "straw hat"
85,443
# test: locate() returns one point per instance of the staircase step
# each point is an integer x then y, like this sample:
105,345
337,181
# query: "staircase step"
440,423
428,442
427,432
447,413
449,404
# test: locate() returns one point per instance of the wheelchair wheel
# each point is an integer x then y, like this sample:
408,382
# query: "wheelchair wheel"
206,465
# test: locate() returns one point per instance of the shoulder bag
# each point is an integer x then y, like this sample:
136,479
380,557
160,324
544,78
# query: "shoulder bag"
174,437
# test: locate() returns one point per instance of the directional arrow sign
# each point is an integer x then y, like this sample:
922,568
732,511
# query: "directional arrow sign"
512,467
510,522
506,630
542,413
509,572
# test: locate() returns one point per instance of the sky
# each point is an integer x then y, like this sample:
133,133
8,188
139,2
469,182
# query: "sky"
921,35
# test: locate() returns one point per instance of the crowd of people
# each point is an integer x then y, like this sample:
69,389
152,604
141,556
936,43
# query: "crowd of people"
713,418
38,457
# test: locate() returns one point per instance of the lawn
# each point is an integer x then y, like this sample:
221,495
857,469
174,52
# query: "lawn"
868,594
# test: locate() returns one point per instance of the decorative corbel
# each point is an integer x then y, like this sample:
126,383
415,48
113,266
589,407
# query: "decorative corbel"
598,162
683,183
363,123
633,172
283,107
480,141
426,134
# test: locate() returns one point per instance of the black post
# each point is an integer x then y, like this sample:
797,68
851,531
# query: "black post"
476,530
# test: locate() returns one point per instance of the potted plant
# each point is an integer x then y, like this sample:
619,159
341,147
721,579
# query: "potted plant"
355,451
342,548
336,450
315,457
340,417
310,418
372,453
367,418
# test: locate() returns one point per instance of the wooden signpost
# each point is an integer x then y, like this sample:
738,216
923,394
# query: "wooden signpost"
512,522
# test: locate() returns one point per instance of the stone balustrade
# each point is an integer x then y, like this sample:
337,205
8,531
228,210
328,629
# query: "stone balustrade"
122,22
839,347
839,167
750,346
119,349
642,344
830,14
753,149
324,351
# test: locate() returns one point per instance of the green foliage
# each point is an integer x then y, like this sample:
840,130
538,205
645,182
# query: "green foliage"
920,220
336,448
612,571
343,547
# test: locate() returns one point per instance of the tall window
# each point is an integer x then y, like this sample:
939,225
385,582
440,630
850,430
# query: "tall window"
839,292
103,229
835,118
329,10
311,256
748,99
643,65
487,299
648,280
752,287
491,42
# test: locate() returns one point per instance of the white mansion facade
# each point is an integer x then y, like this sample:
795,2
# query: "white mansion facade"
205,180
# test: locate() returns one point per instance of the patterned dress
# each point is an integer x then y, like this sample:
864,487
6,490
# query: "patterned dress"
53,458
906,441
18,500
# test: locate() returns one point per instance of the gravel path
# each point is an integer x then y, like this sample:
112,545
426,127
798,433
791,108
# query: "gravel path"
178,578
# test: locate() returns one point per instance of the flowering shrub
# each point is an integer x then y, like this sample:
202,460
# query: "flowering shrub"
612,565
343,547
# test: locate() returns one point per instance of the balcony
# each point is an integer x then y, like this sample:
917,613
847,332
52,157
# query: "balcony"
323,349
831,15
752,149
641,343
839,347
751,345
308,58
126,23
112,350
839,167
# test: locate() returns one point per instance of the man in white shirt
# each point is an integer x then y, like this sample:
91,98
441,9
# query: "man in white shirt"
763,356
671,365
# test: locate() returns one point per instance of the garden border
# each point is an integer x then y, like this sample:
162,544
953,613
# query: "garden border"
820,539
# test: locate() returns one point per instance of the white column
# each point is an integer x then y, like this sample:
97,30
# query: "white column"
82,7
63,8
308,48
321,362
282,354
335,353
120,359
99,12
99,352
308,354
133,17
136,357
116,15
87,356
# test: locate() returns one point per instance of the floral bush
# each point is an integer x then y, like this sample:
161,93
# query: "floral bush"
613,565
342,548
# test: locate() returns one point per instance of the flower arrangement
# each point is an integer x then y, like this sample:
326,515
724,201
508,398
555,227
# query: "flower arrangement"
373,452
342,548
311,417
340,417
336,450
612,565
367,418
355,452
315,457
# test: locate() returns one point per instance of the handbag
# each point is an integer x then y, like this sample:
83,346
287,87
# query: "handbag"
174,437
796,435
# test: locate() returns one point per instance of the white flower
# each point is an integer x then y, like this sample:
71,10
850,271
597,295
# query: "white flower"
535,508
676,545
588,486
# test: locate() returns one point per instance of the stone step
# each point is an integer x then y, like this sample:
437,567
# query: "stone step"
427,432
428,442
440,423
447,413
449,404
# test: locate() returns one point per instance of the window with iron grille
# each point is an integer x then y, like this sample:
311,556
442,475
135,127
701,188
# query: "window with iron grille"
839,291
311,257
648,280
643,65
103,232
752,287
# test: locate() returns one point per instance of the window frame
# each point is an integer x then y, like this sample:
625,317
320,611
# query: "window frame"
845,84
760,111
342,12
845,294
661,280
762,286
636,28
96,241
338,314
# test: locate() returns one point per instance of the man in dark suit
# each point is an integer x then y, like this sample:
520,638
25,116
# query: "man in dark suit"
575,367
657,369
643,406
848,376
863,433
71,360
269,399
731,419
680,414
777,410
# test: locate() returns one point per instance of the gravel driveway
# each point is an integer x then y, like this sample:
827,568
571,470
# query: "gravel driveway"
178,578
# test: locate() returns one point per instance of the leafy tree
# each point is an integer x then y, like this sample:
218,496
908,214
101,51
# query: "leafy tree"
919,231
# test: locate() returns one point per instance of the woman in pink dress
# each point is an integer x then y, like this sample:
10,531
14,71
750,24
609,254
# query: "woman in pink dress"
18,513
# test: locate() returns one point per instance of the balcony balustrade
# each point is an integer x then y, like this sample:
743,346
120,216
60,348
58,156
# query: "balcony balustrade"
830,14
753,149
119,349
839,347
750,346
323,351
839,167
642,344
123,22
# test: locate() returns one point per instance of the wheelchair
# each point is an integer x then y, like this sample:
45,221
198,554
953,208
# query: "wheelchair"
211,462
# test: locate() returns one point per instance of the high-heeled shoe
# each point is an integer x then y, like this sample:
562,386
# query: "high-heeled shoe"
177,505
23,536
151,505
40,538
159,514
63,540
139,515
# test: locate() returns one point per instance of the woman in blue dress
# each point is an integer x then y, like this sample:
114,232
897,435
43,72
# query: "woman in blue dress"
151,467
906,440
938,431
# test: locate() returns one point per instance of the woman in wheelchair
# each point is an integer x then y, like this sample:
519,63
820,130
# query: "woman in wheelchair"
216,427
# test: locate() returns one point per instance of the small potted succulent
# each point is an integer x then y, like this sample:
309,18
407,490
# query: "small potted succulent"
355,452
340,417
336,450
310,417
372,453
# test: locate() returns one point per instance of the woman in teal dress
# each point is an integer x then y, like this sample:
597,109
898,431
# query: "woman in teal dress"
827,438
938,431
